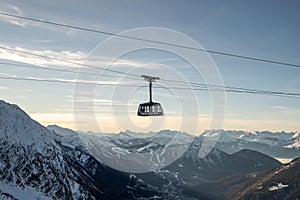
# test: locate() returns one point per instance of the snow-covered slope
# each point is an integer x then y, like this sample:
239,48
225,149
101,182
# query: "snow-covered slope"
67,137
12,192
279,183
265,137
275,144
31,159
18,128
38,163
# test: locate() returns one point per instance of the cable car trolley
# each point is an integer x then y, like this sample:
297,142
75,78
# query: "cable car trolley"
150,108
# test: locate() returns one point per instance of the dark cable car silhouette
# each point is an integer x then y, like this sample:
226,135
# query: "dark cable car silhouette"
150,108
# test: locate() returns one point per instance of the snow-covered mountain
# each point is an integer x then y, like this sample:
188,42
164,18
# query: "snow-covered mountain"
54,163
31,159
66,136
279,183
189,170
275,144
36,163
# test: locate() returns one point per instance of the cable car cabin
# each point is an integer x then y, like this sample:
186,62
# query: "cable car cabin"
150,109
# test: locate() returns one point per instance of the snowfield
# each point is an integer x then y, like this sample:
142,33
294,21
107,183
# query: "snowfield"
277,187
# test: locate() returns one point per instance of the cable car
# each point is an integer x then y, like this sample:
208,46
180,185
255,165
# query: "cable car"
150,108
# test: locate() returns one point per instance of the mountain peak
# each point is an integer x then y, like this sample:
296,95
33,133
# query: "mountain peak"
18,127
61,131
8,106
32,160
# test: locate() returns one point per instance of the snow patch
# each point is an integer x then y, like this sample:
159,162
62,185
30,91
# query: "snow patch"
296,144
20,193
277,187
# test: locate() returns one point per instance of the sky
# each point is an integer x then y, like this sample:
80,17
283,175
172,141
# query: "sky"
263,29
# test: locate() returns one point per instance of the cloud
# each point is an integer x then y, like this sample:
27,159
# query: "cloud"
71,58
4,88
286,110
279,107
119,62
6,74
42,41
26,90
13,10
15,54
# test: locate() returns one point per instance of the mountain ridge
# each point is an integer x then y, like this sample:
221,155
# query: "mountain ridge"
56,165
279,183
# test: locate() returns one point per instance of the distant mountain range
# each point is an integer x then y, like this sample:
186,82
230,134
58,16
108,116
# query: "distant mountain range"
52,163
277,145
